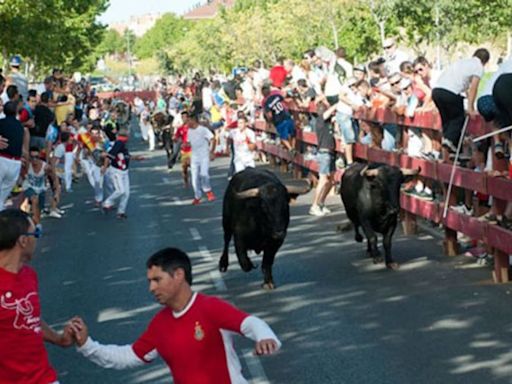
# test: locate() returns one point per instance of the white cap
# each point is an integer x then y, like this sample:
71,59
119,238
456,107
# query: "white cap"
405,82
388,42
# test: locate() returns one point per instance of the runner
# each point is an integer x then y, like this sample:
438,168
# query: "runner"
185,149
244,145
192,333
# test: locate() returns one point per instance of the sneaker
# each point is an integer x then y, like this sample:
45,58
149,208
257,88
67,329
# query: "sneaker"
449,145
210,196
425,195
55,214
498,150
196,201
463,210
340,163
121,216
325,210
61,211
106,209
315,210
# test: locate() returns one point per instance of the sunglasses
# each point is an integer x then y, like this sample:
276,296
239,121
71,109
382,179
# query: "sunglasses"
37,233
388,47
395,83
418,70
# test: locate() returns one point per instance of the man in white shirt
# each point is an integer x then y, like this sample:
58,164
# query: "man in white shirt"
203,146
394,57
244,144
462,76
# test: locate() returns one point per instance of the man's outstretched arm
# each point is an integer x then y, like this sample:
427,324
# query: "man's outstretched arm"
256,329
106,356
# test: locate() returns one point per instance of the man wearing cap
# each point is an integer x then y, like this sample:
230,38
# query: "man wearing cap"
17,78
394,57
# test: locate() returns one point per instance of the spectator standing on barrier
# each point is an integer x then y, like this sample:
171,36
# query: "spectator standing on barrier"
502,93
275,111
278,74
203,146
23,357
347,104
394,56
10,157
326,156
462,76
193,333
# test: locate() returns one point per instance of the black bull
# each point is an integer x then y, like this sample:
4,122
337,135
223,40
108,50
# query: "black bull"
162,126
371,196
256,213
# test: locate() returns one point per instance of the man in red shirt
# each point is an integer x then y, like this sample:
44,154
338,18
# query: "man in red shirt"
192,333
278,74
23,357
185,148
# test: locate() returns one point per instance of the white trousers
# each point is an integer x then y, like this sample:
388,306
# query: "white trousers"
87,168
144,129
199,168
98,179
69,158
151,137
121,181
9,173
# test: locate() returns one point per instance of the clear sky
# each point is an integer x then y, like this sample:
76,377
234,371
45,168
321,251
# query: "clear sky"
121,10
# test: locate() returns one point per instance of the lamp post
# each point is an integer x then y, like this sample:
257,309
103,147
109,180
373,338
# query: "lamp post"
128,53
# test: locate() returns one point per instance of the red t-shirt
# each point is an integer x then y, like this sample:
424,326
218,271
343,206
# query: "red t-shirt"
196,343
23,357
182,133
278,75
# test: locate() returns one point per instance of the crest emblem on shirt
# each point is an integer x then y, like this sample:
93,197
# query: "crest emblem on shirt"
198,332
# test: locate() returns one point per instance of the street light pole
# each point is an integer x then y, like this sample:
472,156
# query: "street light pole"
128,54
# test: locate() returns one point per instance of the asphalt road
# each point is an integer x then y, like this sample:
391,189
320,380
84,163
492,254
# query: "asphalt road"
341,319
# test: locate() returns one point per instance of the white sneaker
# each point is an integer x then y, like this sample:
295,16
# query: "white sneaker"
55,215
315,210
463,210
325,210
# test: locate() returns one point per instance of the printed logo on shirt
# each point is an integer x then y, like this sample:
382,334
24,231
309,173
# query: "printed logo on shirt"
198,332
24,308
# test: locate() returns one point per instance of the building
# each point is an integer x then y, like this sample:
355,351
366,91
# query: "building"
208,10
137,24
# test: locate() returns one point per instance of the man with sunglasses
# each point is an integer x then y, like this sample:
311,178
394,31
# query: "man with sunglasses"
394,57
23,357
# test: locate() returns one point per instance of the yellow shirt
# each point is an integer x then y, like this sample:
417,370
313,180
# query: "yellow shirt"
62,110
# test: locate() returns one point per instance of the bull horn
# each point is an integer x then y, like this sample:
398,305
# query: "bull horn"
248,193
410,172
299,190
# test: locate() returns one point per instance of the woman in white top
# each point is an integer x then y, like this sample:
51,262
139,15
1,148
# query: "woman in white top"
462,76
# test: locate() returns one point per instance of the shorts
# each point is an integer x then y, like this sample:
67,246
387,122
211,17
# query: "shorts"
286,129
186,156
487,108
326,163
29,192
347,128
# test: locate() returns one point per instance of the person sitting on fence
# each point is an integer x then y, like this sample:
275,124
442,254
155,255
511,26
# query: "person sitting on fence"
348,103
462,76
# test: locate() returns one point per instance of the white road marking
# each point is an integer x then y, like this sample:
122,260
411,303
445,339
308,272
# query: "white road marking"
215,275
177,201
255,368
195,234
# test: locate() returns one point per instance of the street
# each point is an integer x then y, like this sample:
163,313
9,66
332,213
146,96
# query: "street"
341,319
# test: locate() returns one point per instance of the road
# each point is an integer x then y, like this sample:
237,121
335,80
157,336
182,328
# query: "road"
341,319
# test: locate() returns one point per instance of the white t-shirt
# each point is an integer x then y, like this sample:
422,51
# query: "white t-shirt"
393,62
456,77
504,68
199,139
243,156
207,98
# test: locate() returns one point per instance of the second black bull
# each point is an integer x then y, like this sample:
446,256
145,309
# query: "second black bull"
256,213
371,196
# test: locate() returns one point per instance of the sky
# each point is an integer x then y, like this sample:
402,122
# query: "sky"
121,10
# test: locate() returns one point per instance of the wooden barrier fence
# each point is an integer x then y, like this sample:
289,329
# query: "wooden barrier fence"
497,239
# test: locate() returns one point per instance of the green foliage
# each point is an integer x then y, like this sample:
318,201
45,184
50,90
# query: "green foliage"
167,30
50,33
111,43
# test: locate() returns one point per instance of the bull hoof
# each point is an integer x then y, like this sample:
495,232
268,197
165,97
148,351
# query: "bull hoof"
247,265
268,286
359,238
223,266
393,266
